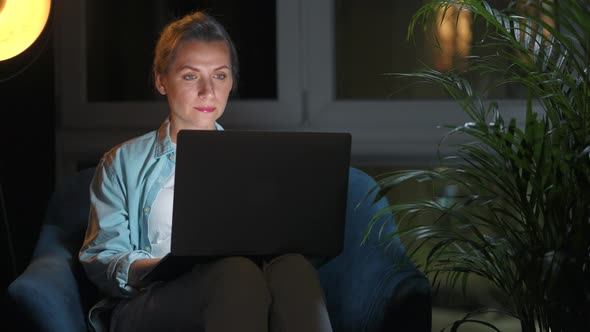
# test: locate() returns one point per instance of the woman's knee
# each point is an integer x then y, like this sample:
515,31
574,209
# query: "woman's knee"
291,271
298,299
290,264
239,279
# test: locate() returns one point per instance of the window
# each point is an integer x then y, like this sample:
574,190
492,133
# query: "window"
119,54
354,43
371,43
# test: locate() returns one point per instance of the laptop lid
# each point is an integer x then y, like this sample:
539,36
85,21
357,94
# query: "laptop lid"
260,193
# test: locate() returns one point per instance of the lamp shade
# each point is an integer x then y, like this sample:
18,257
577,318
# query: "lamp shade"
21,23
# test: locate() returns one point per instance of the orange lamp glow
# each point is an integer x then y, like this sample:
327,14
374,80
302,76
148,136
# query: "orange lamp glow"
21,23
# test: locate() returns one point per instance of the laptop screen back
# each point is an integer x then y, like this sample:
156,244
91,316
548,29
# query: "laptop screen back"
259,193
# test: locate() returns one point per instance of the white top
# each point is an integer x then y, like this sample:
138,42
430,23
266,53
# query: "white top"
160,220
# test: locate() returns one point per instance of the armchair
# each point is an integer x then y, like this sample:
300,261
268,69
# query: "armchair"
365,290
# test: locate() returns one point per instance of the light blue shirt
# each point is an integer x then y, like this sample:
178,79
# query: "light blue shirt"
122,192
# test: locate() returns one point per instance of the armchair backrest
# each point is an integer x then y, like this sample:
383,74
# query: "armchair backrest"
68,211
68,207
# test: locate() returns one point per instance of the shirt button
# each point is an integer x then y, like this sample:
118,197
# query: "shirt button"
172,157
147,248
146,210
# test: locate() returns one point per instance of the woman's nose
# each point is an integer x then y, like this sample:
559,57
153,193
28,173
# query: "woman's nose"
205,88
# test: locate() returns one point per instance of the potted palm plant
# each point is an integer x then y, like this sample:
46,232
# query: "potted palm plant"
520,217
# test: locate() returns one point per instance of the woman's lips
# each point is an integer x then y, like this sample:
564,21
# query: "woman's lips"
205,109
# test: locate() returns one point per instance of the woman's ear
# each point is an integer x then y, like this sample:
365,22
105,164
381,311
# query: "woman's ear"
160,85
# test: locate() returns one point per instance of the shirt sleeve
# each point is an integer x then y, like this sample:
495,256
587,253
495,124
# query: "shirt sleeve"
107,251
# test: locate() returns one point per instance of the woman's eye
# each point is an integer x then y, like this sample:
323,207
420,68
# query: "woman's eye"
220,76
189,77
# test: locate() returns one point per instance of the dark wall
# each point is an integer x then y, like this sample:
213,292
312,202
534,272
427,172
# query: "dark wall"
27,154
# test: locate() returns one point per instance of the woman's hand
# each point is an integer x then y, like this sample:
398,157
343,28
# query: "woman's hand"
138,269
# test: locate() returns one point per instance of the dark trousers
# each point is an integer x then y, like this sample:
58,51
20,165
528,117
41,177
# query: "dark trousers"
232,294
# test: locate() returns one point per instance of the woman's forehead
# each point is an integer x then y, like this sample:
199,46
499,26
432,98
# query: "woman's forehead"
204,52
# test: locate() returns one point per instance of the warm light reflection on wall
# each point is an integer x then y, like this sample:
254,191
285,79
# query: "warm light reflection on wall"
454,34
533,10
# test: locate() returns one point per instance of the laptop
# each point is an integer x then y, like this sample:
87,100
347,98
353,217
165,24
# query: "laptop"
256,194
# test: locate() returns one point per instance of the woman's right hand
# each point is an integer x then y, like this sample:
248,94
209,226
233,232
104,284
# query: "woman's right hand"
139,268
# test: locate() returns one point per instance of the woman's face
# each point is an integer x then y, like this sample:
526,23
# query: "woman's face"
197,85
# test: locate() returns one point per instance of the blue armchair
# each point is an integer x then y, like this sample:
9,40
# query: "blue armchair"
367,288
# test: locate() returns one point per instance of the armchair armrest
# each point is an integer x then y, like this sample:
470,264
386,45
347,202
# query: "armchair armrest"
46,295
367,287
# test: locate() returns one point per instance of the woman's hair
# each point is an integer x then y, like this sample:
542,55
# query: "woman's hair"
194,26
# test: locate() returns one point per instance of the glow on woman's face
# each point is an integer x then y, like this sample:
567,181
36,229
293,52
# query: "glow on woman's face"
197,84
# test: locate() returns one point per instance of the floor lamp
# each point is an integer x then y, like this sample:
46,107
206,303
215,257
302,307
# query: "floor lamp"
21,24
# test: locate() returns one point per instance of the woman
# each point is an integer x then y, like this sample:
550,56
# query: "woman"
195,67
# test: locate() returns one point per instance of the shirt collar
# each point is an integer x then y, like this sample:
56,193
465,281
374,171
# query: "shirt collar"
164,143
